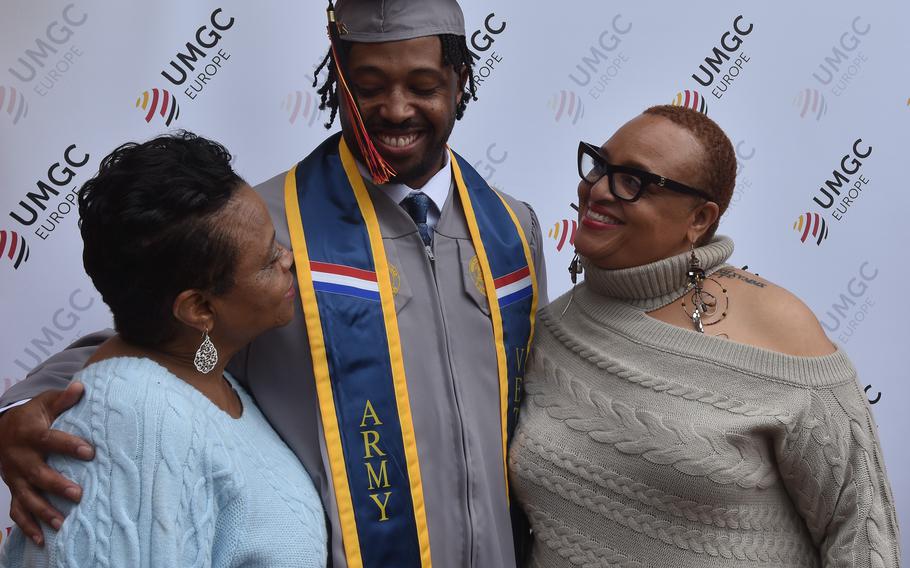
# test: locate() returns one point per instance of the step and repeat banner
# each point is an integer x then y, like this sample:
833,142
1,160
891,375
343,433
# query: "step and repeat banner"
815,97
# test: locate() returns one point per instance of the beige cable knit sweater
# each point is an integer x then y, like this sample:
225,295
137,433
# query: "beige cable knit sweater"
644,444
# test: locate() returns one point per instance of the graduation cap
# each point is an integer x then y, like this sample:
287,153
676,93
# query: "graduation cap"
370,21
373,21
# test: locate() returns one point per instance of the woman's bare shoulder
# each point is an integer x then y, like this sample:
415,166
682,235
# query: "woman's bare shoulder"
771,316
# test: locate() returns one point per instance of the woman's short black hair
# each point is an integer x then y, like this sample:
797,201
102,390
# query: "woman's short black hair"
149,223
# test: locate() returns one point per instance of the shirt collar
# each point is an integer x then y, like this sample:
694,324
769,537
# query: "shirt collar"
436,188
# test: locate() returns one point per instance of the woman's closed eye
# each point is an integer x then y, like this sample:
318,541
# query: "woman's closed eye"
277,255
273,258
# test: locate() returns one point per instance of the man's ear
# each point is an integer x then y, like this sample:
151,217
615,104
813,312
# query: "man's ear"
192,308
703,217
462,81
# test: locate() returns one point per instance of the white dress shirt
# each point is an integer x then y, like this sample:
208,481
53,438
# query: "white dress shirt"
437,189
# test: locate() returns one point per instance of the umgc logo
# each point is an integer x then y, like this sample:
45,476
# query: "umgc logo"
562,232
566,105
811,224
13,104
301,105
811,102
160,102
192,69
13,248
692,100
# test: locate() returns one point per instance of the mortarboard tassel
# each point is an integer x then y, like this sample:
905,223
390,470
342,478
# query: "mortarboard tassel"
380,170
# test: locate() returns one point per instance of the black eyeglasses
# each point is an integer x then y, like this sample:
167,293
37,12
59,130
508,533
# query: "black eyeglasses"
627,184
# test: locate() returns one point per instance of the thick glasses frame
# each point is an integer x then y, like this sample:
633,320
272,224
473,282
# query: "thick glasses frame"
646,178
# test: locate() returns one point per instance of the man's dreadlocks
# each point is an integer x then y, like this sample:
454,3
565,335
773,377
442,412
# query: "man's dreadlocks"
454,53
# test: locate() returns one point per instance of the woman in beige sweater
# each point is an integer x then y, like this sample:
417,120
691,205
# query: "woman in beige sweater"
679,411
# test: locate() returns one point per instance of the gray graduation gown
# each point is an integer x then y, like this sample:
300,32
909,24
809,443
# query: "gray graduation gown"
450,364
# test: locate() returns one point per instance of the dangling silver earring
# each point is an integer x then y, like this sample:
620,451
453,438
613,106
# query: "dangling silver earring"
206,356
705,304
575,268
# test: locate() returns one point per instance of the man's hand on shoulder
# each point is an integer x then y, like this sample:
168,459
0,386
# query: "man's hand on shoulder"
27,440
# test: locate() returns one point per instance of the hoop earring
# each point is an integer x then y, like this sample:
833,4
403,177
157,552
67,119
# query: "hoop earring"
705,304
206,356
575,268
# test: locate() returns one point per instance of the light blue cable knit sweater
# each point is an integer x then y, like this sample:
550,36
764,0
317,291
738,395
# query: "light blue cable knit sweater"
175,482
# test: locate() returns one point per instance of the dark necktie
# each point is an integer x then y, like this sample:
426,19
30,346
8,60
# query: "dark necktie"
417,204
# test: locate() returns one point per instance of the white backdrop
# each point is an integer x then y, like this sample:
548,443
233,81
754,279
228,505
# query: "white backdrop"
797,87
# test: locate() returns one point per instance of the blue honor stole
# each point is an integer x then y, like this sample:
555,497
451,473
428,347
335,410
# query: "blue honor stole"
352,326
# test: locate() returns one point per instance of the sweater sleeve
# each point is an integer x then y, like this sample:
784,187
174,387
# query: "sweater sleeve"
831,464
535,242
56,372
146,499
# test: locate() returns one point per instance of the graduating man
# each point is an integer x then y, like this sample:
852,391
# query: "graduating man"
398,383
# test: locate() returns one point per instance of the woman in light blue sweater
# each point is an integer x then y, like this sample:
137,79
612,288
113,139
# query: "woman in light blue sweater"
187,471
